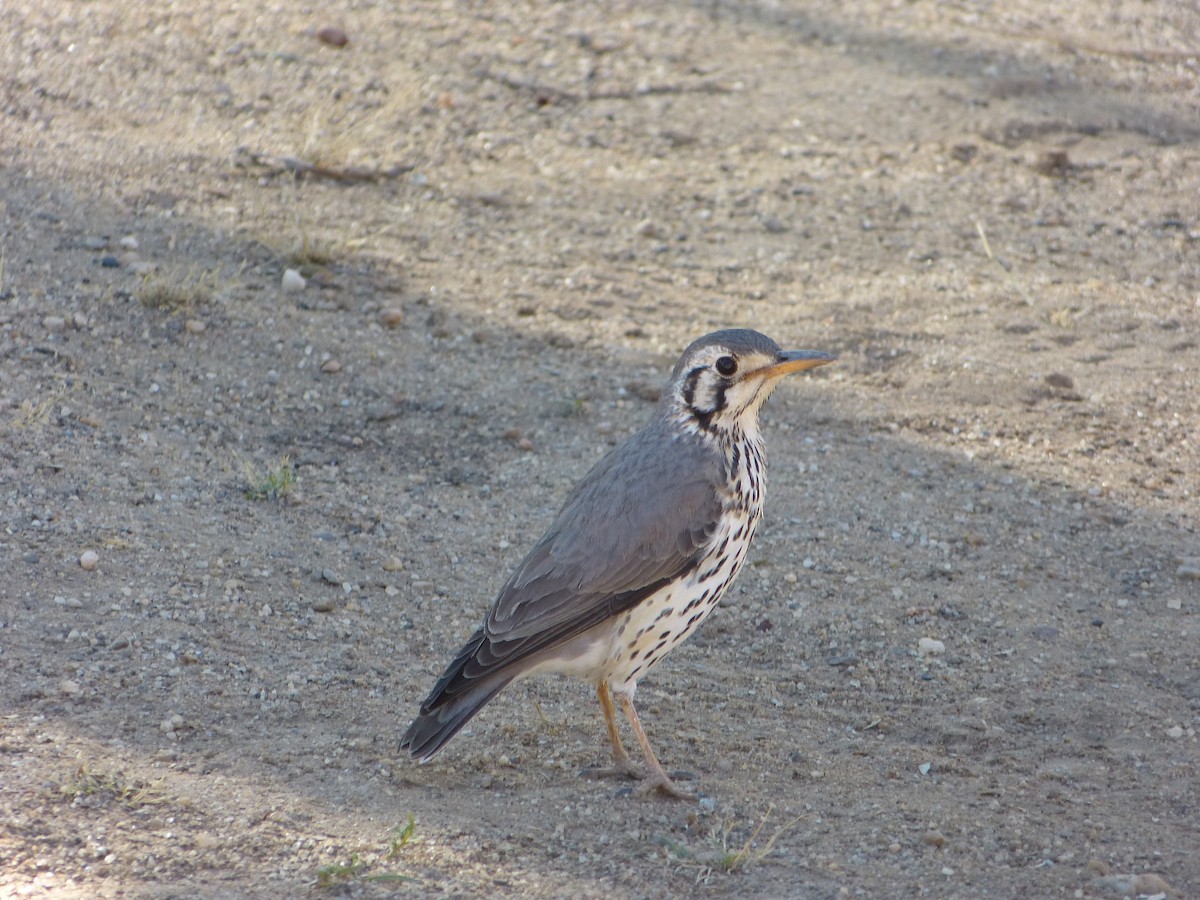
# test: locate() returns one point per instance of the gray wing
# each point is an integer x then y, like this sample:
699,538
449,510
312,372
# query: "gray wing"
637,520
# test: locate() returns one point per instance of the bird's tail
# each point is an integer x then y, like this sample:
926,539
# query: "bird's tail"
457,696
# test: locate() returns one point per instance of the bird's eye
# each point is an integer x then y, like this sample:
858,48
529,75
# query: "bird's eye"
726,365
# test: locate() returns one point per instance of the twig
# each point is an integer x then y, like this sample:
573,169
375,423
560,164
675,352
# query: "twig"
552,92
1073,46
1003,264
302,167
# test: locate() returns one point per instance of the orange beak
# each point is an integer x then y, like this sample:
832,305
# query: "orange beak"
793,361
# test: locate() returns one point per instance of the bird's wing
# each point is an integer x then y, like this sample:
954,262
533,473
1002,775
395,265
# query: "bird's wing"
636,521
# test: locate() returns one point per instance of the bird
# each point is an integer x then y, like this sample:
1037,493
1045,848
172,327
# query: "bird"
638,556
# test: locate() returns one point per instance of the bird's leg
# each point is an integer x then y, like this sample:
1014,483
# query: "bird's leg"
622,764
657,780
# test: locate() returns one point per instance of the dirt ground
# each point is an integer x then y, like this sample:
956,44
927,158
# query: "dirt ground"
514,218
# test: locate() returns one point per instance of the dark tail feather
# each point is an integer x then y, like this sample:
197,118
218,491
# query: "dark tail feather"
452,702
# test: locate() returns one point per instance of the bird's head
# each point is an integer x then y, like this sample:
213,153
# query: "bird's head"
724,377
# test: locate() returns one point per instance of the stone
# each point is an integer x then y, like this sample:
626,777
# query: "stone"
930,647
292,282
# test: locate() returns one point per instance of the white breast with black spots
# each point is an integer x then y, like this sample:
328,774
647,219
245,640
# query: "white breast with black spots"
655,626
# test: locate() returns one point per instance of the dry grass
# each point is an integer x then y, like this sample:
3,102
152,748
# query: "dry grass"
178,292
109,787
722,854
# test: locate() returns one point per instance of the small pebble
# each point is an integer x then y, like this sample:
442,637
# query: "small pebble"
1053,163
924,768
934,839
525,444
1175,732
930,647
79,320
1147,883
54,323
393,564
391,317
330,576
322,606
89,559
195,326
110,262
69,687
331,367
1189,567
142,267
332,36
648,229
129,242
708,804
293,281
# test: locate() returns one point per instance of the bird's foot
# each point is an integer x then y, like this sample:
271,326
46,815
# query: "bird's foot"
621,768
662,784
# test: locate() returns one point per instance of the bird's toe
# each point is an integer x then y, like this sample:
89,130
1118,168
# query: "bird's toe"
623,769
667,788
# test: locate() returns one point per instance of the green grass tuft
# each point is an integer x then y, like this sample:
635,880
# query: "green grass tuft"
273,483
400,837
328,876
355,869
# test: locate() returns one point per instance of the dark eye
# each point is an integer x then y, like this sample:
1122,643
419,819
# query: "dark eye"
726,365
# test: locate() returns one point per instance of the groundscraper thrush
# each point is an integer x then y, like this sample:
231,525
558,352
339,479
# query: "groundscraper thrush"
639,554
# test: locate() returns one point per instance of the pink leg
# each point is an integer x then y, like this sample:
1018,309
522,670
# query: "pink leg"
622,765
658,779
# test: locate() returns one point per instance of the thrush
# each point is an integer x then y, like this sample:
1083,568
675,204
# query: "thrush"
639,554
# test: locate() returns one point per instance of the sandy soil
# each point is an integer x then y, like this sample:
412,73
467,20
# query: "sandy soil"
519,215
